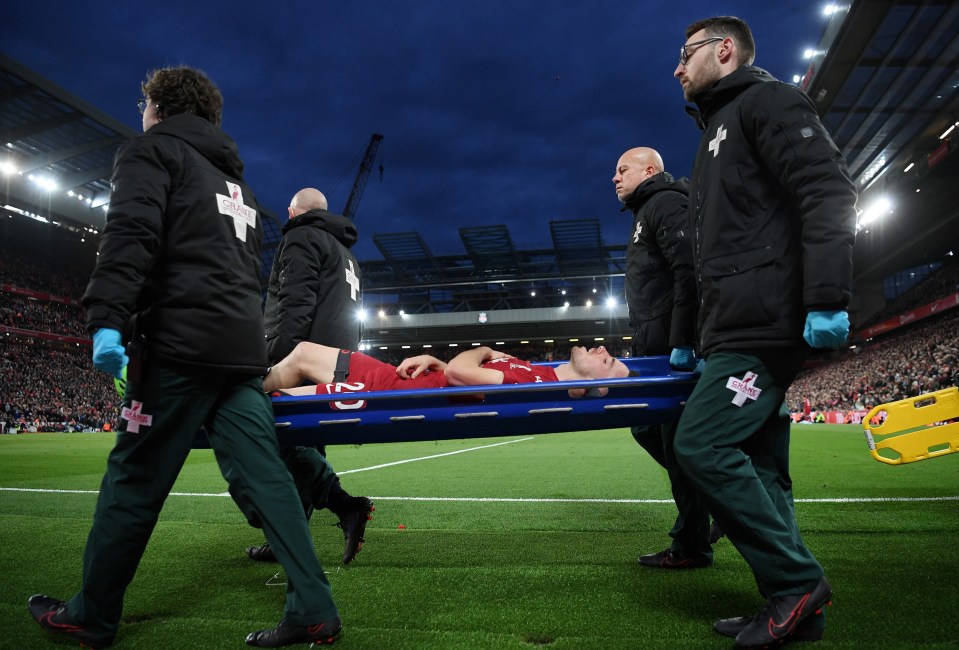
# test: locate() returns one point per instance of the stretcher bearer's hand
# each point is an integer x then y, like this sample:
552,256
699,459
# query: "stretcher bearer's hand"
415,366
826,329
108,354
682,358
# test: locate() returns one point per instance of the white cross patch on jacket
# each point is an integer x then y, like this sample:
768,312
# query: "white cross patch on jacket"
714,143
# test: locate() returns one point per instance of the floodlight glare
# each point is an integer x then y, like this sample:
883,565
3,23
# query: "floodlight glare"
361,315
8,168
610,302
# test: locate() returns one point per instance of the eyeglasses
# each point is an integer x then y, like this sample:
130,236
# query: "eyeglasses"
684,54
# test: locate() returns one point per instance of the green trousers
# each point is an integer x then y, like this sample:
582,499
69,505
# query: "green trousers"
313,476
733,444
162,413
690,532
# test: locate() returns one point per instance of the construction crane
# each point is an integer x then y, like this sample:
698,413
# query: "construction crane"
363,175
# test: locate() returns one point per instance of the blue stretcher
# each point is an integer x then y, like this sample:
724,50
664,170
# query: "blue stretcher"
657,395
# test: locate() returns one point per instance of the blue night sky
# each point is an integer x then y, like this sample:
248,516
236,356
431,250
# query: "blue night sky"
494,112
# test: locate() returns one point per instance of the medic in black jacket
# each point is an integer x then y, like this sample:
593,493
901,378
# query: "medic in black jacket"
772,209
178,270
661,297
315,279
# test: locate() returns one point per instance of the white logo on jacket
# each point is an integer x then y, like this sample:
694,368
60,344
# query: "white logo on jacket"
352,280
232,206
720,136
639,230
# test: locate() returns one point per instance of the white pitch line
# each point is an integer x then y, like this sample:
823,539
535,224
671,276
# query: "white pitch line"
533,500
449,453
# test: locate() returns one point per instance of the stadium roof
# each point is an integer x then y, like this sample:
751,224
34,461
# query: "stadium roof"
884,78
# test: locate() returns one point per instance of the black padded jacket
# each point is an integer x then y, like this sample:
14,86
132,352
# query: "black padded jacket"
660,283
314,289
773,213
179,261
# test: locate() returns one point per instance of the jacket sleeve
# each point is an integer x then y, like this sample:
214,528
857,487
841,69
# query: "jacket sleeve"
300,276
670,219
132,236
796,147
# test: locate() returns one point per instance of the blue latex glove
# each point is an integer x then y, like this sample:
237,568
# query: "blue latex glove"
108,354
700,367
826,329
682,358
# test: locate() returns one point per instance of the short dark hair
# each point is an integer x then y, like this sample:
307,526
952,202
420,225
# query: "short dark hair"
732,27
184,90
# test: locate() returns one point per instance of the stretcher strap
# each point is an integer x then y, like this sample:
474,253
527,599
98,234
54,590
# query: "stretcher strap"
342,366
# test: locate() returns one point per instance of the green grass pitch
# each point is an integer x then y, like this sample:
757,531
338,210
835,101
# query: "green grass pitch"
530,544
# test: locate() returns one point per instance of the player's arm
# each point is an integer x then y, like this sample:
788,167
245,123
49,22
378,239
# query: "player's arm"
465,368
413,367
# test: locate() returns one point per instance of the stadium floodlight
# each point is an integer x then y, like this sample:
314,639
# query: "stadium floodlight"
402,314
406,347
908,167
881,206
8,168
808,54
610,302
589,303
361,315
946,133
453,345
566,305
45,183
796,78
563,292
382,314
829,9
532,293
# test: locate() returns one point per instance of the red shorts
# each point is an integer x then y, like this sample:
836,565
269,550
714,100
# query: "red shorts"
369,374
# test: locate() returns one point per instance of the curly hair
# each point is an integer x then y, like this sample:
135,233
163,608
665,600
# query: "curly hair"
732,27
184,90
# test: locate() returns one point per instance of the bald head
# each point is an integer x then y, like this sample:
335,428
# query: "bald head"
306,200
634,167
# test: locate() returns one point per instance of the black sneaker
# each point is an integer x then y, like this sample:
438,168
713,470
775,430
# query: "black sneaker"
715,533
262,553
669,560
810,628
353,522
287,634
51,614
781,616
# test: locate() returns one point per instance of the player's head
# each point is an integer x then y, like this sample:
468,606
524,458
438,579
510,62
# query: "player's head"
596,363
172,91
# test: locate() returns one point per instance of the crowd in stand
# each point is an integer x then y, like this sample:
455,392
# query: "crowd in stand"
23,270
922,359
46,389
943,282
40,315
